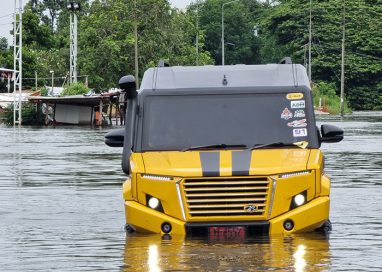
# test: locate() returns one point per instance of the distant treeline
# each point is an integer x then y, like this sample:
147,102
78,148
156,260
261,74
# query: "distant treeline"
255,32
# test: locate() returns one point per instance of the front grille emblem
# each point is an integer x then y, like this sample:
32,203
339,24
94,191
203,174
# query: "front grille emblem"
250,208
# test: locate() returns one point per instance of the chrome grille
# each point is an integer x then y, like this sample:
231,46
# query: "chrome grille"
226,196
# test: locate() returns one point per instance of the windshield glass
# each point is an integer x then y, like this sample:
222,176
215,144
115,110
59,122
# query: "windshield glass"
180,122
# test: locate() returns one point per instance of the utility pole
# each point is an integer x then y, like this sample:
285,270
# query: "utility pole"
17,63
223,34
305,60
223,44
136,45
197,33
52,72
310,42
73,7
343,60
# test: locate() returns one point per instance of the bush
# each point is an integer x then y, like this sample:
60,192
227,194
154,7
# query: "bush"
44,91
75,89
330,101
30,114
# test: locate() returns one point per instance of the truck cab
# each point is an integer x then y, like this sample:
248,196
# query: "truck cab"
223,151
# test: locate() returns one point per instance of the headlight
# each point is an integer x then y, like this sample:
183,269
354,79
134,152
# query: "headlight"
153,203
299,199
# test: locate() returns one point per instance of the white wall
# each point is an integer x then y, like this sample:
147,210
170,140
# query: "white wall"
71,114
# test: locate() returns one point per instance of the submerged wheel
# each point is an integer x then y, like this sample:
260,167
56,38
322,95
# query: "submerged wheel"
325,228
129,229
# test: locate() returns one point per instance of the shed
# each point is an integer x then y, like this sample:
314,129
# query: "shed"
76,109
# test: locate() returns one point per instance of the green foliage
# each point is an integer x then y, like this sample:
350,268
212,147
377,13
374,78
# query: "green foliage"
330,101
288,23
31,115
75,89
366,97
241,45
3,44
44,91
35,34
106,40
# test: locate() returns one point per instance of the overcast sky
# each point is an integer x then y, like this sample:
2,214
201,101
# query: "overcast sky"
7,8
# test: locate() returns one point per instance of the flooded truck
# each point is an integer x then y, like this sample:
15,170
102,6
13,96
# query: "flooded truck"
223,151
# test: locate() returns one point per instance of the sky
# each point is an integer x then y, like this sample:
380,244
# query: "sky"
7,8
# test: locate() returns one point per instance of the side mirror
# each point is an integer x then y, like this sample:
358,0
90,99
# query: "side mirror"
331,134
115,138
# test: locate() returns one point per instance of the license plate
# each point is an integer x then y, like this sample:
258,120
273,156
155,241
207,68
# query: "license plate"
227,233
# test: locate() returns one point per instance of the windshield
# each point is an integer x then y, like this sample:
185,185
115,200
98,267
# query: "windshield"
181,122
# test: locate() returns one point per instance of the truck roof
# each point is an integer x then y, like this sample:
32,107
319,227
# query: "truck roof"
229,76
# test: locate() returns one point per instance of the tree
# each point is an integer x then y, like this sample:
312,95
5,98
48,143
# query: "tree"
287,24
3,44
35,33
107,39
241,45
5,61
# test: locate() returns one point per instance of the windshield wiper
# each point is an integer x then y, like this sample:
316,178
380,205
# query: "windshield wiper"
213,146
302,144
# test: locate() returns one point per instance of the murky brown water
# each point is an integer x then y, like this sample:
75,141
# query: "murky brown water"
61,209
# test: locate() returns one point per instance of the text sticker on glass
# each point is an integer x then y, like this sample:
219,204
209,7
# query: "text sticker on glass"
300,132
297,104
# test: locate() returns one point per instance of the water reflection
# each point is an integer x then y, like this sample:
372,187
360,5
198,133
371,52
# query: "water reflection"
292,253
61,209
153,259
299,261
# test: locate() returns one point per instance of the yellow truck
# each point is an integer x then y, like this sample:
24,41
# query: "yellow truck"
223,151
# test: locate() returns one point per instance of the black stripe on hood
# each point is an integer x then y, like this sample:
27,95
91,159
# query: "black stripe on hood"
210,164
241,162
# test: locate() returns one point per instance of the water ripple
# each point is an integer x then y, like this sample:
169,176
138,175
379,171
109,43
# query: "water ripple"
61,209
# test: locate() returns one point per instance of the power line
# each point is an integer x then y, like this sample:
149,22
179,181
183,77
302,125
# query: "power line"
3,16
62,77
350,52
364,55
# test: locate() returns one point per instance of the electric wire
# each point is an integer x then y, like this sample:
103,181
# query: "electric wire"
3,16
349,51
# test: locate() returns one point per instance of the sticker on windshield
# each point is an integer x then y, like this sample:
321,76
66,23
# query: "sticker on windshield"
297,123
298,104
299,114
300,132
294,96
286,114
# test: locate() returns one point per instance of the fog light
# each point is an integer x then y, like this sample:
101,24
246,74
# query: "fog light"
166,227
153,203
288,225
299,199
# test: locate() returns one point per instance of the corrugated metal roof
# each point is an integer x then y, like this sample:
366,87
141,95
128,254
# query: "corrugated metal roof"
71,100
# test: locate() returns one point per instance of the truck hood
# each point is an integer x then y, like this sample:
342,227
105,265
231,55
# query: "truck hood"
225,163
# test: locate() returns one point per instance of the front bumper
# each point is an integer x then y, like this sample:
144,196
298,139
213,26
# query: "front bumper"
305,218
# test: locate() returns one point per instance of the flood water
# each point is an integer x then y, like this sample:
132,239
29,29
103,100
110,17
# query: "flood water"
61,209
